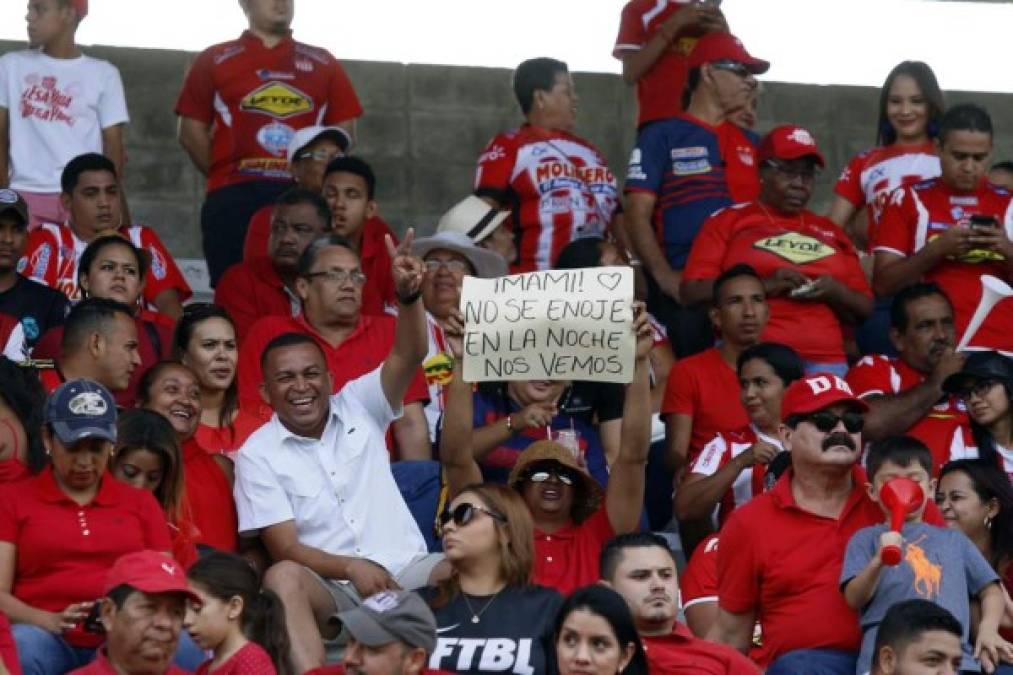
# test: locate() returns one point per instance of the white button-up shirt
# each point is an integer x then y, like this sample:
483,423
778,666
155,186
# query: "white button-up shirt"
339,490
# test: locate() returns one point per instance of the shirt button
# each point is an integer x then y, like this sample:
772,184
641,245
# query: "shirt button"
548,558
86,533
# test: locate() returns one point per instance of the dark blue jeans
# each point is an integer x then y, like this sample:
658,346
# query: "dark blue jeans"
815,662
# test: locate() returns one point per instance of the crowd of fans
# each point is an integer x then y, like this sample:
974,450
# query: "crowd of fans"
297,479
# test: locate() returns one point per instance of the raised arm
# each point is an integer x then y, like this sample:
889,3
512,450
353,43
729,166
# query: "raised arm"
456,435
637,62
624,496
410,339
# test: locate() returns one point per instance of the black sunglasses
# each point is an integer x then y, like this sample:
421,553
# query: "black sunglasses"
826,421
462,514
540,474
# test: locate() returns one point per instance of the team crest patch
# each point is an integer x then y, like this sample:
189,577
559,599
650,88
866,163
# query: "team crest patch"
795,247
277,99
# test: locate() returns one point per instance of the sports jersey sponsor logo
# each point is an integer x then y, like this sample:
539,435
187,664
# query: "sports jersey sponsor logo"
483,654
691,168
564,201
275,137
746,155
22,264
964,201
695,151
845,175
586,174
266,74
439,369
40,261
492,154
158,267
957,212
31,329
228,53
264,166
795,247
634,170
304,65
277,99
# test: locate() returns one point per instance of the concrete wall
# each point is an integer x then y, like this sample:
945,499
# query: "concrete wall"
425,125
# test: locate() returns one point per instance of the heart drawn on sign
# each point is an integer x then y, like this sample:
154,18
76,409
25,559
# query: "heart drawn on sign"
610,280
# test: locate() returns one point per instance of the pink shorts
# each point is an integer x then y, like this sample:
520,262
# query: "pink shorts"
44,207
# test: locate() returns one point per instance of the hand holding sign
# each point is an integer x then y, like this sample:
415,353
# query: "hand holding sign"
406,269
552,325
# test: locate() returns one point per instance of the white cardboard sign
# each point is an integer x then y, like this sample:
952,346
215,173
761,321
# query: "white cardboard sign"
550,325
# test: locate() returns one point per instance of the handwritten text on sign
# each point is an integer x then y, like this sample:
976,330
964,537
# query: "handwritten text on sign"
552,325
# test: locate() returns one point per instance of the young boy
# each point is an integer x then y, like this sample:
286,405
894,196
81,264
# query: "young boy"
55,104
939,565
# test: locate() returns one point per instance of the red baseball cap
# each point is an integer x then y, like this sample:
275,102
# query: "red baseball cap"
790,142
149,572
724,46
80,6
816,392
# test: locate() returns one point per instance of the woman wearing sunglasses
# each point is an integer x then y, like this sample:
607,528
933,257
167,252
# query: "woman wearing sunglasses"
573,515
731,469
811,272
489,616
985,384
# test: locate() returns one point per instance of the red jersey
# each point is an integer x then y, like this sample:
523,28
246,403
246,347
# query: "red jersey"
252,289
568,558
963,446
256,98
871,176
659,90
210,497
682,653
878,375
53,252
693,385
251,659
917,214
758,236
559,185
227,440
362,351
723,448
698,583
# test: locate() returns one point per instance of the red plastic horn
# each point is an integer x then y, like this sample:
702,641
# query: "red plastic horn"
902,496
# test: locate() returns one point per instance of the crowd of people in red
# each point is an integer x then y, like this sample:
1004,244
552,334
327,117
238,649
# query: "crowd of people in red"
296,478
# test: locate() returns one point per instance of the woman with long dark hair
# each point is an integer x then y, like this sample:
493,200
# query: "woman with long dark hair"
595,634
21,399
985,384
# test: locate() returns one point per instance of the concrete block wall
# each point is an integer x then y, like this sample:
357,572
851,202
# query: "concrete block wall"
425,125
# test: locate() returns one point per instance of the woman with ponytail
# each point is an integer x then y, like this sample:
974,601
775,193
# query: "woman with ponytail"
240,623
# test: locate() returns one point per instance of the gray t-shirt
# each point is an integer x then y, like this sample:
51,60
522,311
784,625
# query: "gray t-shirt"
939,564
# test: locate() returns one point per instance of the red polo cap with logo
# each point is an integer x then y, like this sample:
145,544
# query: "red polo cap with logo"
725,47
790,142
816,392
150,572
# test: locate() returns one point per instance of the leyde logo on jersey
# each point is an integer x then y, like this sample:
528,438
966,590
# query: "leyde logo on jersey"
277,99
795,247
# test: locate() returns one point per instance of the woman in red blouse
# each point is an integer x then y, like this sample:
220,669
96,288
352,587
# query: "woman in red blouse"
21,399
61,530
172,389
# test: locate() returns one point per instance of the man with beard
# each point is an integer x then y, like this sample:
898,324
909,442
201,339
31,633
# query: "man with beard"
265,285
905,395
640,567
781,554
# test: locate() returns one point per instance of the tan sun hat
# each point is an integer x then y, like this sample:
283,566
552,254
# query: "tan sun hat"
589,493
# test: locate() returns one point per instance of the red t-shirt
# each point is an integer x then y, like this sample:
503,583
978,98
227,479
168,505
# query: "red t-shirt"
227,440
362,351
568,558
659,90
698,583
784,563
101,666
694,384
53,251
682,652
871,176
8,649
915,215
64,549
759,236
723,448
256,98
878,375
252,289
48,347
559,186
210,497
251,659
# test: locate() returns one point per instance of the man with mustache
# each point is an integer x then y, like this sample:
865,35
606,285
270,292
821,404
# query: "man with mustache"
641,568
266,285
781,554
905,394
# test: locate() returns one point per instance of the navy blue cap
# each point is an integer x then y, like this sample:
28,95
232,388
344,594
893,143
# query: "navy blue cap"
81,409
980,366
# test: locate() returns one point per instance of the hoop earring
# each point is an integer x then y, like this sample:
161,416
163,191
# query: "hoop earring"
988,523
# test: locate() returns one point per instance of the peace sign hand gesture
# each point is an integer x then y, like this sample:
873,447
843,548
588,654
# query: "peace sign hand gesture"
406,269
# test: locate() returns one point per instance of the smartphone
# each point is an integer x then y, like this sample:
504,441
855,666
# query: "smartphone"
93,622
979,221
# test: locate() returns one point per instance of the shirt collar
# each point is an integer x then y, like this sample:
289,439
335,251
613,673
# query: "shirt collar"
49,490
285,434
305,325
785,499
251,40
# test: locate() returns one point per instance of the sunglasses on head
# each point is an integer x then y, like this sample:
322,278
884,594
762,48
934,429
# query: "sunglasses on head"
540,474
464,513
827,421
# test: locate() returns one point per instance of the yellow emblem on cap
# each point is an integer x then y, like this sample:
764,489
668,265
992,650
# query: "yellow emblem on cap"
277,100
794,247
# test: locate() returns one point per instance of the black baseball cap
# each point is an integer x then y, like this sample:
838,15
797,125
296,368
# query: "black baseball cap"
980,366
11,201
81,409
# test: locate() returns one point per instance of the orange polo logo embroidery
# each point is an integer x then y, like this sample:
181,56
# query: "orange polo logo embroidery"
927,574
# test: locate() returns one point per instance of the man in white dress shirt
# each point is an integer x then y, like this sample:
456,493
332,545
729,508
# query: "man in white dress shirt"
315,481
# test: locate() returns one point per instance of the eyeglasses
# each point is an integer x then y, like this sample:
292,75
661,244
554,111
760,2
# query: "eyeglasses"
734,67
338,276
464,513
451,265
318,155
827,421
805,175
542,474
980,389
